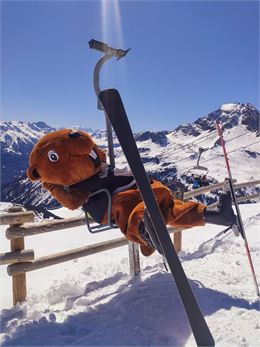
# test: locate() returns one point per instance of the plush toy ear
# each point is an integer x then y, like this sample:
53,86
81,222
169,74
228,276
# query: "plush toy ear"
33,174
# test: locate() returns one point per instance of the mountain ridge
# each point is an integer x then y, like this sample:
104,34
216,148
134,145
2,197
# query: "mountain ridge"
165,154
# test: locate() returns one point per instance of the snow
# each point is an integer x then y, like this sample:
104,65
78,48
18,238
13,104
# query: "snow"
228,107
92,301
183,151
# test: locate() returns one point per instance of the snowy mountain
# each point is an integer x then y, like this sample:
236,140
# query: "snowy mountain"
17,140
170,153
165,154
229,115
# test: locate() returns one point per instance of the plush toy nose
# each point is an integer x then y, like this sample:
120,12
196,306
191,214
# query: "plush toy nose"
74,133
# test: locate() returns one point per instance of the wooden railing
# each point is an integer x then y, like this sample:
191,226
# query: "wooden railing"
220,185
21,225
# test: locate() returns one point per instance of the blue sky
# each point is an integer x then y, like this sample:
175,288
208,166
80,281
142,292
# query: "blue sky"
187,58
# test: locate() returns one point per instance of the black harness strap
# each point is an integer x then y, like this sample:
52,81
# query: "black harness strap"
97,205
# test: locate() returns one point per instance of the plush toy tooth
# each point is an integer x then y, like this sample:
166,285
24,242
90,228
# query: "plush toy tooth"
93,154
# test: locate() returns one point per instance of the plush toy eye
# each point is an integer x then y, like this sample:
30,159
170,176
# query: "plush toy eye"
53,156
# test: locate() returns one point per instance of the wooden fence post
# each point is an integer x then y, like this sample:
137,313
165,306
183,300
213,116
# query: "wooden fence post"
177,240
134,259
18,281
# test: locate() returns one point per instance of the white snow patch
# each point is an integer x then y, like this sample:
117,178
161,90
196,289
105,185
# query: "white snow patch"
93,302
228,107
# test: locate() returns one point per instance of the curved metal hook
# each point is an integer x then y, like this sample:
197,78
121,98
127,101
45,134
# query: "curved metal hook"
109,53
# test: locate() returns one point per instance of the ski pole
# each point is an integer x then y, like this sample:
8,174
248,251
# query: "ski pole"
239,218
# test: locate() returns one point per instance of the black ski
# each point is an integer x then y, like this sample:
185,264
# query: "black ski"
115,111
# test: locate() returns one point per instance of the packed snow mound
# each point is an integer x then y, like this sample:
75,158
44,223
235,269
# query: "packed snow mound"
93,302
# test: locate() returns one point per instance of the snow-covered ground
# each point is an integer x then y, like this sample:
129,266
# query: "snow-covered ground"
92,301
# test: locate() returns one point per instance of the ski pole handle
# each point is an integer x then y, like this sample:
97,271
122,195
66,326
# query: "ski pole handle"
103,47
220,134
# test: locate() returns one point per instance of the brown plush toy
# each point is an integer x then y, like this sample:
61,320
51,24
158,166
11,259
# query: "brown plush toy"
72,167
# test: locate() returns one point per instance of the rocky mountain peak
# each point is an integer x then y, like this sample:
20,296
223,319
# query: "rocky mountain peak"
229,115
158,137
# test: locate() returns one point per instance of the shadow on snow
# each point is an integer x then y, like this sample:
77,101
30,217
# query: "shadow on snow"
143,313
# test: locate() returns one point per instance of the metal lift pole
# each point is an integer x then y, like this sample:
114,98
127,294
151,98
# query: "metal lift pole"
97,69
109,53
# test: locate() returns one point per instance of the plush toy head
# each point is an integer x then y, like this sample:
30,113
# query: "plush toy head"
65,157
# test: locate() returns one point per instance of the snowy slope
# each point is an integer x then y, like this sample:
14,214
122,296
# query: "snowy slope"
93,302
17,140
14,133
180,152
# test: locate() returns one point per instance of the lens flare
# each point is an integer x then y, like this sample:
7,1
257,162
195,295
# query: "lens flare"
112,32
104,11
118,22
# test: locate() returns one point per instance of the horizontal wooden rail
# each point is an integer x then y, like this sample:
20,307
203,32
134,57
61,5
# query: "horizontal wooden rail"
16,218
44,227
240,199
246,184
15,269
17,256
202,190
173,230
248,197
61,257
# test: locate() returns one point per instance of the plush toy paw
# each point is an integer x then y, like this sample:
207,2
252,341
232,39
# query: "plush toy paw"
71,199
226,212
147,250
224,215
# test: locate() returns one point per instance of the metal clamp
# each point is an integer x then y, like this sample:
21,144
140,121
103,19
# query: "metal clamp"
102,227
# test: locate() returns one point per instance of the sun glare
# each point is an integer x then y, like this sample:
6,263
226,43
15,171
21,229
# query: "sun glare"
111,23
112,30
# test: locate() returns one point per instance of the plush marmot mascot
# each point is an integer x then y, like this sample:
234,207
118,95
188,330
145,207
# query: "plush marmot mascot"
72,167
